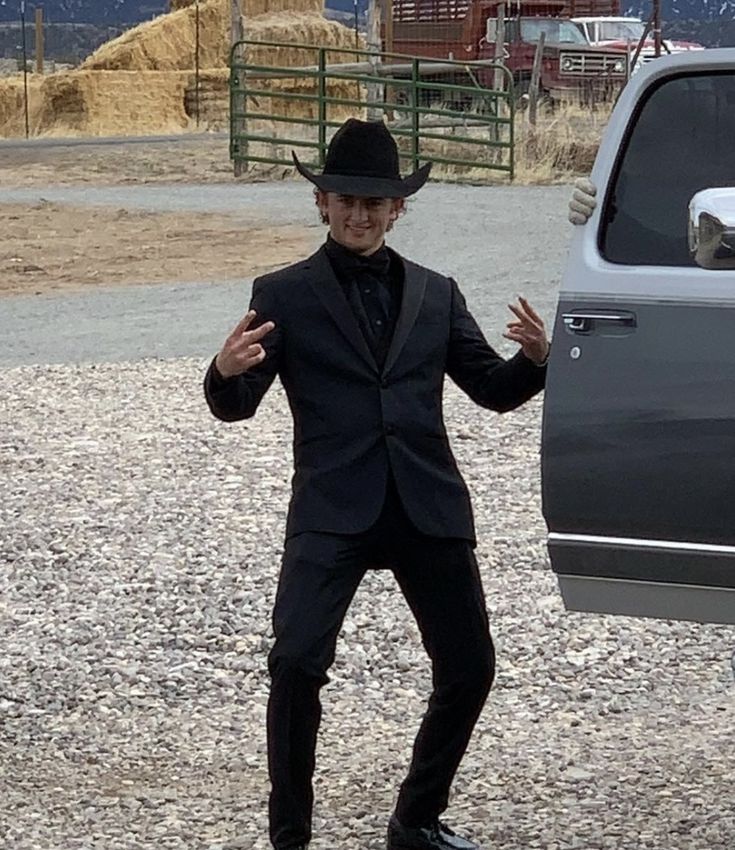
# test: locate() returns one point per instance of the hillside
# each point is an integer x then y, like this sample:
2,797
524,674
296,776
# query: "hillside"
110,12
65,42
114,12
76,27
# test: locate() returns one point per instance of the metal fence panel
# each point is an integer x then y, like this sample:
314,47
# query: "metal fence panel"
440,111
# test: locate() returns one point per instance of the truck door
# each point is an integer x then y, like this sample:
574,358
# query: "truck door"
638,448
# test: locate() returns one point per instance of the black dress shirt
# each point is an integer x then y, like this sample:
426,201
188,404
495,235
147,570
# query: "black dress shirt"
373,286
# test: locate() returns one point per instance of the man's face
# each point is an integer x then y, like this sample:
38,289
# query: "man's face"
359,224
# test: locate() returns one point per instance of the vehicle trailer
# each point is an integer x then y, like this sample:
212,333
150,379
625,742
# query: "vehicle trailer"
466,30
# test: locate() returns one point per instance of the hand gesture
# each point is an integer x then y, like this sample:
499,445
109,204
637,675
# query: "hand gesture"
528,331
582,203
242,349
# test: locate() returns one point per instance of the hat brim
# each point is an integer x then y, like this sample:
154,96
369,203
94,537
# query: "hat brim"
366,187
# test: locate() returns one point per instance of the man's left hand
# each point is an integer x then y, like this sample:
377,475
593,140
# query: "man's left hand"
528,331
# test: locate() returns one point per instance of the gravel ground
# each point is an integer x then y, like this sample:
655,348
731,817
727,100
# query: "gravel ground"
140,541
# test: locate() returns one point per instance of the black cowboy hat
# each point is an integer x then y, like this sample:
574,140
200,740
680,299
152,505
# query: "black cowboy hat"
362,160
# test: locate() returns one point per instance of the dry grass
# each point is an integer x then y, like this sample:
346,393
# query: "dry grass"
562,145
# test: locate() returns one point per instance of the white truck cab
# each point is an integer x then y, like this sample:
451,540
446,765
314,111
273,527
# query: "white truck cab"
625,33
638,445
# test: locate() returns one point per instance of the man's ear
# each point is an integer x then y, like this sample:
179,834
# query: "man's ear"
320,199
397,209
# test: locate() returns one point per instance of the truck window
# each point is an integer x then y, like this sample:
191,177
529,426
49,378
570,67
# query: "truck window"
557,31
680,140
584,28
512,30
621,31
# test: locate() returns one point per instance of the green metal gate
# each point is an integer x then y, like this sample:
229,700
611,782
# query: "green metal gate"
438,110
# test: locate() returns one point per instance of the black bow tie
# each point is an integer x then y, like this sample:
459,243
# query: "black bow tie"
377,264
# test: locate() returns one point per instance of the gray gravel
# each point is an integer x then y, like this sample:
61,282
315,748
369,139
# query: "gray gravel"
140,539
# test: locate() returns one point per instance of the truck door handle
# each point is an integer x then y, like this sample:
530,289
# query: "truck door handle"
583,321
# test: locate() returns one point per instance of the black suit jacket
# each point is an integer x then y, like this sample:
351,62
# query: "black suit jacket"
353,422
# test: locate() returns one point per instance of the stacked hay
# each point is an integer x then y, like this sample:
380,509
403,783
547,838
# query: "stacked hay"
12,112
91,103
254,7
168,43
113,103
142,82
294,28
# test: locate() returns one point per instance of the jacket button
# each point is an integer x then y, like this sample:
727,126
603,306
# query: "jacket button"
389,430
384,384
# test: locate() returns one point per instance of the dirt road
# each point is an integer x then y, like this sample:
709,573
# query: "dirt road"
497,241
53,247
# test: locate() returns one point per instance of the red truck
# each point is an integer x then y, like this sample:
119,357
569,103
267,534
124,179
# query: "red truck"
466,30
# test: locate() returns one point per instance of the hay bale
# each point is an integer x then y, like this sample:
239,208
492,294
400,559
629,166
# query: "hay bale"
86,103
105,103
12,113
213,97
167,43
141,82
298,28
214,100
290,29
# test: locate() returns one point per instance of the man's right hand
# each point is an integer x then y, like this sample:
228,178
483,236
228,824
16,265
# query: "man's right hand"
242,349
582,203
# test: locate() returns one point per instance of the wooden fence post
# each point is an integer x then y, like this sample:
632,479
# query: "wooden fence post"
374,96
39,40
239,103
533,89
499,81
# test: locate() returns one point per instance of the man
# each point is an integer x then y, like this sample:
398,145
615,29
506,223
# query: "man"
361,340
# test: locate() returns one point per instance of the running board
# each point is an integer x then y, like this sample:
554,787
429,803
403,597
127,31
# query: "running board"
648,599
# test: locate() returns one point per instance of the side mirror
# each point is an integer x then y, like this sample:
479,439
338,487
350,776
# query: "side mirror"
712,228
491,30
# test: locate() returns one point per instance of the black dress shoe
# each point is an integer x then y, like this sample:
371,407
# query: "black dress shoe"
436,836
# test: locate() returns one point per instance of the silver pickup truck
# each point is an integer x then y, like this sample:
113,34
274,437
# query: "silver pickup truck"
638,458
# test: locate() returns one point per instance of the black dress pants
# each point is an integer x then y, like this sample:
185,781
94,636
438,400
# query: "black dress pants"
319,576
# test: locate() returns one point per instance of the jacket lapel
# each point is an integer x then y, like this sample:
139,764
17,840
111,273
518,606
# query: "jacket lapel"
326,286
414,288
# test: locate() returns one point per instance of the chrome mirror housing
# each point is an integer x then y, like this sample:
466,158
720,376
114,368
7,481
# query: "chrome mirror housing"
712,228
